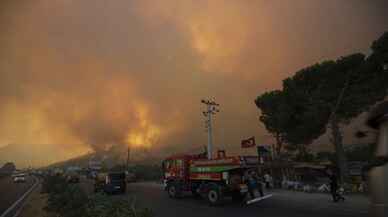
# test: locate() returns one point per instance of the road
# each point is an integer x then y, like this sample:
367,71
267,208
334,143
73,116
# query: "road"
283,203
10,191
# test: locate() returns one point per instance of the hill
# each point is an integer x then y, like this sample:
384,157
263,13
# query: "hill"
112,158
37,155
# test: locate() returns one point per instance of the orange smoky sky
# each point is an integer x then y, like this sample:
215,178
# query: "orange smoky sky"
77,76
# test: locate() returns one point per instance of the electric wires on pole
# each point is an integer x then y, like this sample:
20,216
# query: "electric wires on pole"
212,108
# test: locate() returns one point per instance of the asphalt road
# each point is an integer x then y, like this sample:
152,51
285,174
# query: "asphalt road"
10,191
283,203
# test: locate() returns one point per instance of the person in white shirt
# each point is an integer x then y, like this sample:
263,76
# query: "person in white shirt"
267,180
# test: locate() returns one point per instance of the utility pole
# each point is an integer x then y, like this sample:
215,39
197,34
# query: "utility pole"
211,109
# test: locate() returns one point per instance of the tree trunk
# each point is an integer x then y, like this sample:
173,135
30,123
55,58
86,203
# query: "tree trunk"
339,150
279,144
302,152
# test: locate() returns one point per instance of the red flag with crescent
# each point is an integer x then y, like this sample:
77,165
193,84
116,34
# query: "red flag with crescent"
248,143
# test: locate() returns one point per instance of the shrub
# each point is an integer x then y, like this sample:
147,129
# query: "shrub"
72,202
101,205
69,200
147,172
54,184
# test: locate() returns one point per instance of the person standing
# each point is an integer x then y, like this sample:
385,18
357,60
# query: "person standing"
334,187
267,180
259,182
254,184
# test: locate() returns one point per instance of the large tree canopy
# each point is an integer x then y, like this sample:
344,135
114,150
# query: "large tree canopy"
275,115
330,93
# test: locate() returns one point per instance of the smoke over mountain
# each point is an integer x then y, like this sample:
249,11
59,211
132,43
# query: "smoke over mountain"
89,75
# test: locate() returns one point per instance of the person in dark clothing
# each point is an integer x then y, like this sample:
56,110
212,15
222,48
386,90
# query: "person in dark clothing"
334,187
254,184
259,182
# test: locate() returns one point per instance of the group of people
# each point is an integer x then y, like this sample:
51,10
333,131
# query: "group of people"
256,182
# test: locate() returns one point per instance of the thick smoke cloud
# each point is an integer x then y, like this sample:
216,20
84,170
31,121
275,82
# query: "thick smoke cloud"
89,75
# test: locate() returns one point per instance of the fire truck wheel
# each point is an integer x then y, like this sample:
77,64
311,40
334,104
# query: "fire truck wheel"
214,196
173,190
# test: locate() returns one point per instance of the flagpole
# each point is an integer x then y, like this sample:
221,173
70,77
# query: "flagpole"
258,161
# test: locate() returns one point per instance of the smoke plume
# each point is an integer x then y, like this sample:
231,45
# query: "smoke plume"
92,75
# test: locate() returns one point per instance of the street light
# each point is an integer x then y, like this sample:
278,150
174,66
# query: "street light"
211,109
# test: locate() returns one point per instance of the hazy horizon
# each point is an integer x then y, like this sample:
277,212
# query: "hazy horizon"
77,76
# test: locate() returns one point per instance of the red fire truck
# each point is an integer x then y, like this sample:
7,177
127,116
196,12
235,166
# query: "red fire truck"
212,179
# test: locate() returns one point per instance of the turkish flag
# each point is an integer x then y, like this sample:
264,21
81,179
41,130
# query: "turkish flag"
248,143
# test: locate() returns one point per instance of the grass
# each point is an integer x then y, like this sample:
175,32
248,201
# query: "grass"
34,205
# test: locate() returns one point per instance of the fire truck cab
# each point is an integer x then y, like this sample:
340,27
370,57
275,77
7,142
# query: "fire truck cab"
212,179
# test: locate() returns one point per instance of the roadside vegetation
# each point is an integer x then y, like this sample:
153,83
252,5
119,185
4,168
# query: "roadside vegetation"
142,172
69,200
147,172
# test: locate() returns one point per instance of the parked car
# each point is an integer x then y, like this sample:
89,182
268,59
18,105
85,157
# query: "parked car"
19,178
92,175
113,182
73,177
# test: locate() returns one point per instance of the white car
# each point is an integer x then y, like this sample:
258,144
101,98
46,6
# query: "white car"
19,178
